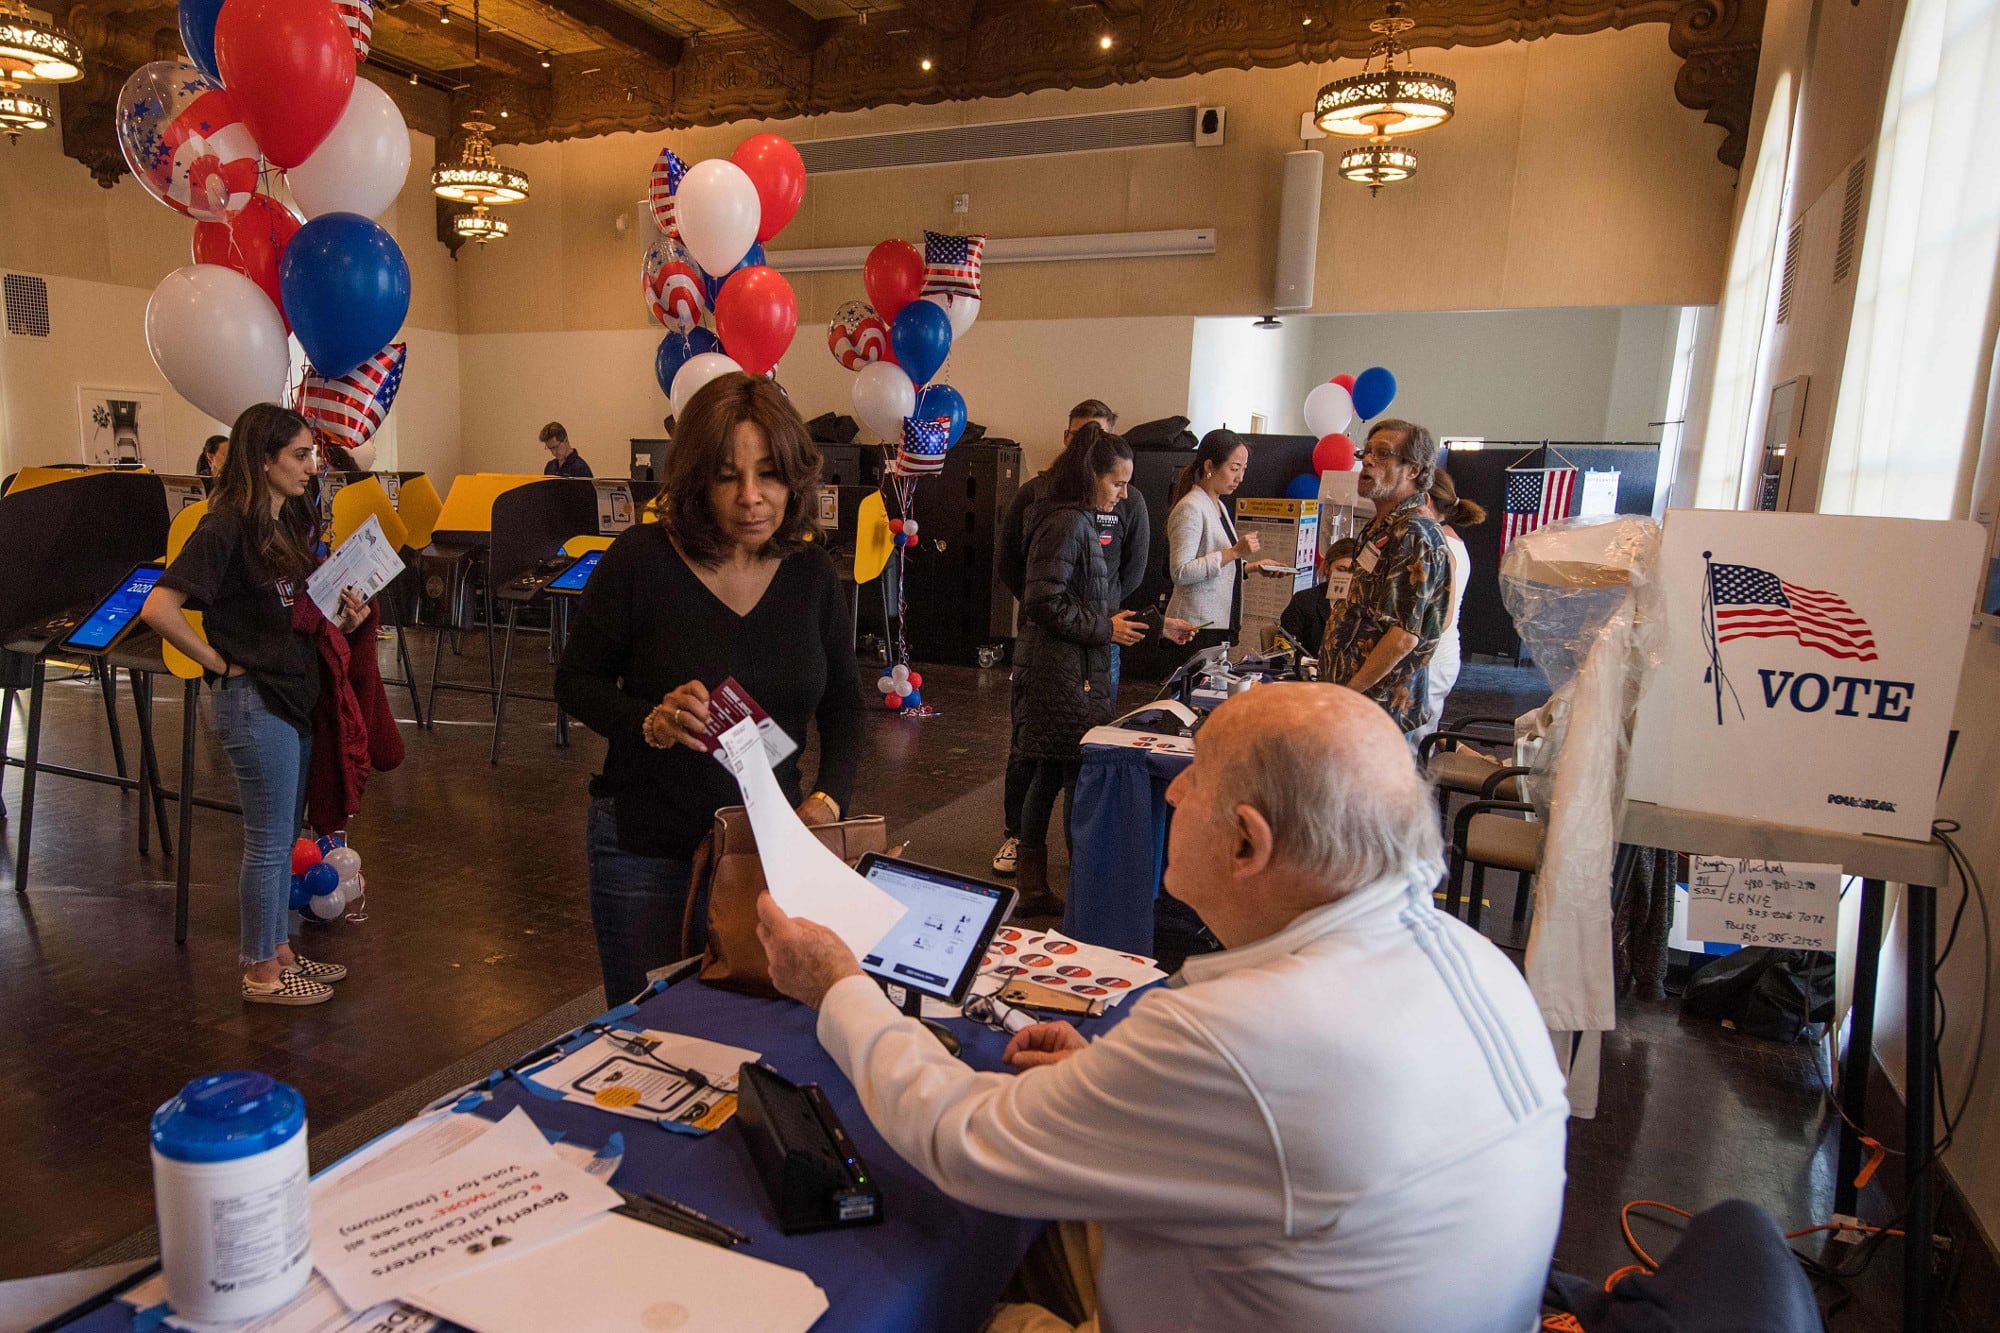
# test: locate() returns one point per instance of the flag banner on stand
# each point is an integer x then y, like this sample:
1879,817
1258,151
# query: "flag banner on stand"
1535,496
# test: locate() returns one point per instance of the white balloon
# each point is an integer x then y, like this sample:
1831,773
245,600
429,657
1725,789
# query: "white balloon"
883,396
363,456
1329,409
360,167
885,684
327,906
960,310
345,861
218,340
717,210
694,375
899,673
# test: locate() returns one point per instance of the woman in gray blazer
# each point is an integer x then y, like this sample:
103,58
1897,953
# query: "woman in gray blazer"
1204,552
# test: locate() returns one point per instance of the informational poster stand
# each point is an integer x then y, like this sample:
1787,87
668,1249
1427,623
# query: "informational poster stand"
1290,532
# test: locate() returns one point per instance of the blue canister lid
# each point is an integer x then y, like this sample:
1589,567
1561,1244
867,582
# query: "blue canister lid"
224,1117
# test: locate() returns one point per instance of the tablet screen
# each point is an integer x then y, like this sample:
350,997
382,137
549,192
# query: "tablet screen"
578,574
935,949
115,614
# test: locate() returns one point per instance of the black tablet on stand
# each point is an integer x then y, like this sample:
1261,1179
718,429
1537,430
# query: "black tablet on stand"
936,948
116,614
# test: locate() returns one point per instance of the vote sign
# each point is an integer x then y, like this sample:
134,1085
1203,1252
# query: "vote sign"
1811,668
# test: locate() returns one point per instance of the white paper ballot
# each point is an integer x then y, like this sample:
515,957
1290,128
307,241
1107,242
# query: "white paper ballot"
498,1195
805,878
615,1275
364,562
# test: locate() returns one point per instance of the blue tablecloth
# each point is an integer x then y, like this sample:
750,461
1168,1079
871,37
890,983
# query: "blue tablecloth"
1118,845
931,1265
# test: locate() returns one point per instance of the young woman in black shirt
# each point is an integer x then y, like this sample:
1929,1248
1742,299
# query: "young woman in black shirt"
724,584
243,568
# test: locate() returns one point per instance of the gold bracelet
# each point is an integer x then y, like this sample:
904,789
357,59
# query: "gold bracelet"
831,804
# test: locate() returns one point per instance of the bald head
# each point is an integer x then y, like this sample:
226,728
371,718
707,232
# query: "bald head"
1333,777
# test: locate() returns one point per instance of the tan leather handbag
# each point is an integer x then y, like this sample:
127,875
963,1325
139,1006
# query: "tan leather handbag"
721,916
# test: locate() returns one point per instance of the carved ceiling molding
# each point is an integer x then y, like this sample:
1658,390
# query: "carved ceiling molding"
1719,41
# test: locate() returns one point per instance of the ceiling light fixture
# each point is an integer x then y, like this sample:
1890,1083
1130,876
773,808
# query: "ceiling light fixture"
413,78
31,51
444,13
1386,101
1104,42
545,59
477,226
1377,163
925,64
477,177
21,110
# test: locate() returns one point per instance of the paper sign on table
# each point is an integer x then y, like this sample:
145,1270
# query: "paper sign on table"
1050,958
614,507
1600,495
805,879
500,1194
365,562
1775,904
635,1074
728,704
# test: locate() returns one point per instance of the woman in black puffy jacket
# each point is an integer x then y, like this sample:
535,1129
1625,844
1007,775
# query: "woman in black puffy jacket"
1069,622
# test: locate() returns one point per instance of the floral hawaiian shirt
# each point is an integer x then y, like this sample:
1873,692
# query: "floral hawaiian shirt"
1401,578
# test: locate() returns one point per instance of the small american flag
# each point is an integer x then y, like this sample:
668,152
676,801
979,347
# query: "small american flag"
1535,497
667,172
951,264
1752,603
359,15
924,445
349,410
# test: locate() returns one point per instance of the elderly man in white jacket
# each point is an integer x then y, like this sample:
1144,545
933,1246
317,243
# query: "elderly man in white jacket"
1351,1119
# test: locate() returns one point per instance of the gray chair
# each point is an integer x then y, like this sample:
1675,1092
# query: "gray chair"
1488,833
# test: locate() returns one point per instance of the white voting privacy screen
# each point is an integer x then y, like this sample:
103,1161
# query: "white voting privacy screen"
1811,668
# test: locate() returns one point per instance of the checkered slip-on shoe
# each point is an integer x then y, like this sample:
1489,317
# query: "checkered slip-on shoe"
291,988
324,973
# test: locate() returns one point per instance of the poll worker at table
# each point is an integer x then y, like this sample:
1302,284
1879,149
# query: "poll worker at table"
1445,507
724,584
1126,532
213,451
564,460
1205,556
244,568
1388,607
1348,1121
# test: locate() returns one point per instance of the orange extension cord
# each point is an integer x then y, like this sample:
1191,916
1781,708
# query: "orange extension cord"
1647,1264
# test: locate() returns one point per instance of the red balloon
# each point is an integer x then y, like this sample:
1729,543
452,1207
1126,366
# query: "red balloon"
1344,381
1334,453
289,67
894,277
779,174
892,701
251,242
305,855
916,680
755,316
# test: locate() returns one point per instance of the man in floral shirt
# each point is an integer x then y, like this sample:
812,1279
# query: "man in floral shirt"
1388,602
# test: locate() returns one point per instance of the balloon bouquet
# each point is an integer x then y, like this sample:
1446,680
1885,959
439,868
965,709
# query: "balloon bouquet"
714,217
919,305
269,93
326,878
1329,409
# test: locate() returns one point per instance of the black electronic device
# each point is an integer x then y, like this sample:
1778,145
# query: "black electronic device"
936,947
810,1167
571,580
116,614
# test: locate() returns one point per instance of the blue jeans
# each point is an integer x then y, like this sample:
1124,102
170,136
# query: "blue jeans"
270,758
636,905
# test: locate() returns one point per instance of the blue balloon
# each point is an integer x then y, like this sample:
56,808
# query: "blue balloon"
321,879
346,289
299,896
331,841
714,285
676,350
921,336
941,400
913,699
1304,487
198,35
1374,390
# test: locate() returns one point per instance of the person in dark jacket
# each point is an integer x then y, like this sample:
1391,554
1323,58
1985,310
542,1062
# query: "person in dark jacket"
1070,626
564,460
1130,532
726,583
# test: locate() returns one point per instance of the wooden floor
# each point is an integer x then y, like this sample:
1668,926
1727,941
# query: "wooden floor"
477,924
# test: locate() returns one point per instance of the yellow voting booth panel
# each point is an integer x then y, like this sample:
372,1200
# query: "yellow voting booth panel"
356,503
183,527
469,506
576,546
418,504
30,477
872,541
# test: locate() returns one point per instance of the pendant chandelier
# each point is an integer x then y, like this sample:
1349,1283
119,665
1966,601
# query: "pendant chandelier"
477,177
1377,163
1388,101
31,51
478,226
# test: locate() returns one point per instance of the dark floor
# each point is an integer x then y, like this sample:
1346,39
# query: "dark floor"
477,924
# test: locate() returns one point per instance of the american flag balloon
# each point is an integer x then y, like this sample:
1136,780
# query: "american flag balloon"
951,264
349,410
924,445
675,294
667,172
857,336
359,15
184,141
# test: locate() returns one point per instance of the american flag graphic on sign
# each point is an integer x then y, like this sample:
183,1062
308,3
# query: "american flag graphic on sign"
951,264
1535,496
348,411
1752,603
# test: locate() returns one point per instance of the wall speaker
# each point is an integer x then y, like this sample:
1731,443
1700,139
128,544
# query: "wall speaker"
1298,230
1208,125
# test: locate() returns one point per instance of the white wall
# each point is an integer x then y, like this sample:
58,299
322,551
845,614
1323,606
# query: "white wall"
1239,370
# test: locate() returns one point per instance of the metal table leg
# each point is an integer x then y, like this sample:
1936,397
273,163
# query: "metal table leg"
1860,1052
190,706
149,761
558,641
1919,1066
33,760
107,682
500,687
6,726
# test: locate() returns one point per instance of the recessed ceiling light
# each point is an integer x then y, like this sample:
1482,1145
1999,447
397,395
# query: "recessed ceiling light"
503,113
924,64
1307,22
1104,42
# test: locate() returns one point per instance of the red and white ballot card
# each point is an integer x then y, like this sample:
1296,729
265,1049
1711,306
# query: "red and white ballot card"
728,704
1050,958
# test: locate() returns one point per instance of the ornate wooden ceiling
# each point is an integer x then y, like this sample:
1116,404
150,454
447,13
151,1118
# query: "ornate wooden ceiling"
562,68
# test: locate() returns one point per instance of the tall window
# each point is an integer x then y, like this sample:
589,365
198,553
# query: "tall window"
1912,405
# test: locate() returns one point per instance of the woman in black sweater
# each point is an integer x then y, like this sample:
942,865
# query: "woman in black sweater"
724,584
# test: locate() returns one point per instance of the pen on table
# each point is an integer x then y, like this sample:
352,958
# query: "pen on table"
642,1208
696,1215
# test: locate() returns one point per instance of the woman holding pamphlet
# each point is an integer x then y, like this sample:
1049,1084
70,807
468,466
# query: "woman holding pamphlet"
726,585
245,568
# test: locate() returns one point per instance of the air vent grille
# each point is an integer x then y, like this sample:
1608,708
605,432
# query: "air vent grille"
1850,221
27,306
1149,128
1788,282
